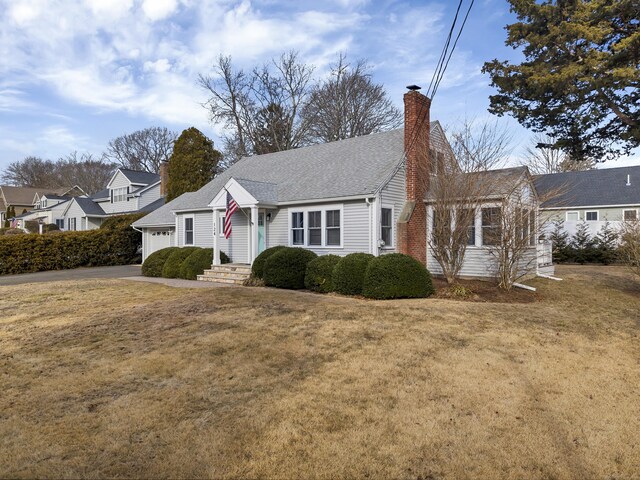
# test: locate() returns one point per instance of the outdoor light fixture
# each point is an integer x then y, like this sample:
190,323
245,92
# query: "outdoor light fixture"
269,217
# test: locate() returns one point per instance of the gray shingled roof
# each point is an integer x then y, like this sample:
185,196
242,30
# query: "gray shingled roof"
494,183
89,207
345,168
102,194
163,215
607,186
136,176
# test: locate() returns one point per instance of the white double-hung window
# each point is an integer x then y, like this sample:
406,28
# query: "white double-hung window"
119,194
316,227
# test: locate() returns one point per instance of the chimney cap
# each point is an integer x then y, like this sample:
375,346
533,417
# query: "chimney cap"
413,88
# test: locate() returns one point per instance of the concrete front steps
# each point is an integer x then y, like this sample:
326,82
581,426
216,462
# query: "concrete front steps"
232,273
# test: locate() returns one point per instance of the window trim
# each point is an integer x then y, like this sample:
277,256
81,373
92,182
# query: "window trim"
323,220
566,217
597,212
220,224
123,197
624,210
392,245
483,226
184,230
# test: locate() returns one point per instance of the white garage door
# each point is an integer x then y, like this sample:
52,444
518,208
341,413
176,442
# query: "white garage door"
157,240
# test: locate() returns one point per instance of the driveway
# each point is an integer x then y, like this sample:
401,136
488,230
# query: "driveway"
118,271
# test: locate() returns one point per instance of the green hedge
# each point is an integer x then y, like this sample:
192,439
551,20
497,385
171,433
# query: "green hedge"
171,268
257,269
319,276
154,263
34,253
287,267
348,275
396,276
121,221
196,263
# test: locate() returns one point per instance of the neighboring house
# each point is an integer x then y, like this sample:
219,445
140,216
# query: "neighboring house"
47,207
27,198
128,191
594,197
365,194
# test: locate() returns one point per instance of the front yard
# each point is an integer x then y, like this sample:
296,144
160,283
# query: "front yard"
109,378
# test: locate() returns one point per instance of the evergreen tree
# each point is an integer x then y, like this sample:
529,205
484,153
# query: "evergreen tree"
560,241
606,244
193,163
583,244
579,76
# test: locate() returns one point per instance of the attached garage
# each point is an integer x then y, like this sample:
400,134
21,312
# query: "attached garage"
155,239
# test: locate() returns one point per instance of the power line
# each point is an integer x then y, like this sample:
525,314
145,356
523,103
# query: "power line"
435,88
443,53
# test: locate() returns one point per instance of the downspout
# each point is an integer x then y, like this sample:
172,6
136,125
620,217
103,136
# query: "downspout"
143,249
372,248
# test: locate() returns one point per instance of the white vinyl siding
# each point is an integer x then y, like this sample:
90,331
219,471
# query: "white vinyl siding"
202,227
148,197
237,246
392,196
73,217
479,262
354,228
119,182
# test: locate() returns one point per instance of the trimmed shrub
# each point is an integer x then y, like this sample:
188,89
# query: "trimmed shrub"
14,231
257,269
287,267
348,274
35,253
223,257
121,221
152,266
396,276
32,226
50,227
196,263
319,276
171,268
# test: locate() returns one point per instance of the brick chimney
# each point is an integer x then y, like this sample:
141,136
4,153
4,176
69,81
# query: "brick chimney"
412,224
164,176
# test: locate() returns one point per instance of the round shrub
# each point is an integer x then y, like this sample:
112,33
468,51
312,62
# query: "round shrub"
257,269
152,266
196,263
396,276
348,274
224,258
14,231
286,268
171,267
319,276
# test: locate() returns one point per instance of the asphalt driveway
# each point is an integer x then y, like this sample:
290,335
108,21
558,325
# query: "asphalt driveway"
118,271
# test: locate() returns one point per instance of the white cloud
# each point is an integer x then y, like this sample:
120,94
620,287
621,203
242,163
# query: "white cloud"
159,66
158,9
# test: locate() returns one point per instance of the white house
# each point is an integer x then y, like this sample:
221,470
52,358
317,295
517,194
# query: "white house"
365,194
128,191
592,197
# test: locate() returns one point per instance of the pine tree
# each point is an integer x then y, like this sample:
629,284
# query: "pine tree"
606,244
560,241
193,163
582,243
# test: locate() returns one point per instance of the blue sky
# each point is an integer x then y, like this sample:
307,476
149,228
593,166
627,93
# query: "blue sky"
75,74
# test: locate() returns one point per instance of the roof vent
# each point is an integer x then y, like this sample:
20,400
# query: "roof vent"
413,88
628,180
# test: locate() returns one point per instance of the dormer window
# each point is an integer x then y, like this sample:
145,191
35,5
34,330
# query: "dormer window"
119,194
43,204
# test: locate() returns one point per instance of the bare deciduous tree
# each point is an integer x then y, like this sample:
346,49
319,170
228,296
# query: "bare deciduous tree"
480,145
454,199
349,104
542,158
31,172
143,149
629,250
86,171
262,109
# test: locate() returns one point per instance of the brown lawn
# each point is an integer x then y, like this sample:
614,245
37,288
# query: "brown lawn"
121,379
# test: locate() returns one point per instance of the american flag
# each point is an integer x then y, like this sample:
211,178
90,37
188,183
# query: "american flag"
232,206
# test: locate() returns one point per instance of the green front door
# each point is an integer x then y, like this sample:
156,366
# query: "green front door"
261,238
